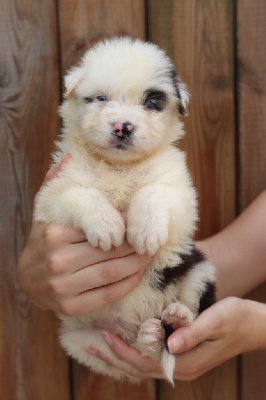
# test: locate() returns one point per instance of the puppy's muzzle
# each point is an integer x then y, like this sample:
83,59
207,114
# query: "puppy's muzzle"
123,130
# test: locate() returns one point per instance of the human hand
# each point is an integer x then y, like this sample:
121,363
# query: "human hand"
230,327
59,270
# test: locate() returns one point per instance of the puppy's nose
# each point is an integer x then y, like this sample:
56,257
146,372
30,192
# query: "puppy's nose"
123,129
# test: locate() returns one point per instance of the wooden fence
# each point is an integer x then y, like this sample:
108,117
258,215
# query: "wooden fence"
219,49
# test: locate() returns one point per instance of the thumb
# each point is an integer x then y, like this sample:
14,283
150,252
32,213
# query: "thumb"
185,338
51,174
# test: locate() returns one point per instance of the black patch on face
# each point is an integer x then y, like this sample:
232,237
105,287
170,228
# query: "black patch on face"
175,79
172,274
208,298
88,100
158,97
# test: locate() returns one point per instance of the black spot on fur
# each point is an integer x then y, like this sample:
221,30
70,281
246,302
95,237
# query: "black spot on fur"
175,79
158,97
208,297
88,100
168,330
172,274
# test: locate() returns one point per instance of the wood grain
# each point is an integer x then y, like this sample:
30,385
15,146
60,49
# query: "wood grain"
85,22
252,151
32,365
252,98
198,36
100,387
82,24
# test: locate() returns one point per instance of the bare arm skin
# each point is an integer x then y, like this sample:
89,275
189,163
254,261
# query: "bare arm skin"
239,251
233,325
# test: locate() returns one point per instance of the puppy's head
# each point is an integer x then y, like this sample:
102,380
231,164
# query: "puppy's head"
123,100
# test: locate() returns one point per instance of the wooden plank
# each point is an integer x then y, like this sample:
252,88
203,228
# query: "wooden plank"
198,36
86,22
252,98
254,363
88,385
81,25
252,164
32,365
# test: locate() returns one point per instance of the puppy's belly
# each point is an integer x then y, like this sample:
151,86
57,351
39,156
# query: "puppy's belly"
122,318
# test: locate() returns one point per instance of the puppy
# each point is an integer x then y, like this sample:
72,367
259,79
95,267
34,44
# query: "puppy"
121,124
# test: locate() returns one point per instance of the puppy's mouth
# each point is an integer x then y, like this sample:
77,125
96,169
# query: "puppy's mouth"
123,143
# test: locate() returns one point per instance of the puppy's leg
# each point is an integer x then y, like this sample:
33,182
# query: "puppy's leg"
151,342
158,214
83,208
147,220
150,337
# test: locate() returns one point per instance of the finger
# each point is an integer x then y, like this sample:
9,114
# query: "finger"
86,261
132,362
72,236
131,355
200,359
106,272
115,363
96,298
54,233
186,338
90,255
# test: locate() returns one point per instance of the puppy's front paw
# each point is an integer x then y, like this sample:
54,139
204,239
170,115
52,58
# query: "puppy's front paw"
177,314
150,335
105,229
147,233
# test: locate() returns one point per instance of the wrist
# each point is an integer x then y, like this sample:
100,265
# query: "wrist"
255,317
222,258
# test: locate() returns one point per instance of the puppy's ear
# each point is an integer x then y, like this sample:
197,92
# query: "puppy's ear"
72,79
181,93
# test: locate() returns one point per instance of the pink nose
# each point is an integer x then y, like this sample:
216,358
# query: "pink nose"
122,129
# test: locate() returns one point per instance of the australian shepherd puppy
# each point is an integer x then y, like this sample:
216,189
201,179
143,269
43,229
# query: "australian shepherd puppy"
121,125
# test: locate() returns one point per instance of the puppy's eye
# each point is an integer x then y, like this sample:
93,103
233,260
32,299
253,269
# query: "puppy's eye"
101,98
150,104
88,100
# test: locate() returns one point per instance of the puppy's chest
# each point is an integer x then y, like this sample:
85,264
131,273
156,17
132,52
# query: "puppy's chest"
119,186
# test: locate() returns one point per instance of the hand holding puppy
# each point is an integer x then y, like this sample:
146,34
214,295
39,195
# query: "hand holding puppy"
60,271
228,328
231,326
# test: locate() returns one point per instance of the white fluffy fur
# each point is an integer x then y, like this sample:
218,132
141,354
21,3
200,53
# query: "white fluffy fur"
149,180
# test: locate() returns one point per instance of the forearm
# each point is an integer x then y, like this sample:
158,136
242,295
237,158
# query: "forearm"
239,251
256,325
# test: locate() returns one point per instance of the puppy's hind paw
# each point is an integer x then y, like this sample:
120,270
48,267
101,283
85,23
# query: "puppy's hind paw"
177,314
150,336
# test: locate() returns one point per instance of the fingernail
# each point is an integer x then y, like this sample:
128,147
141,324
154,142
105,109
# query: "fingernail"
175,344
107,338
